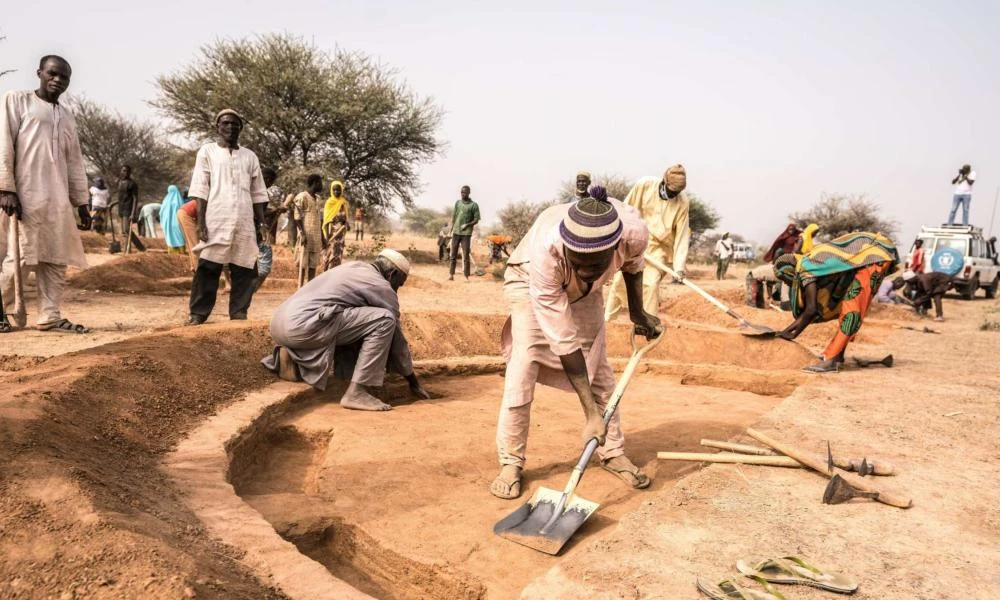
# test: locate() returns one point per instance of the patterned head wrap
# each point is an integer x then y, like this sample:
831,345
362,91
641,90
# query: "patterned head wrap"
675,178
591,226
784,268
598,192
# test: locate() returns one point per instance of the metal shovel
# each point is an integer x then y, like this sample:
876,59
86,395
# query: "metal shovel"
749,328
550,518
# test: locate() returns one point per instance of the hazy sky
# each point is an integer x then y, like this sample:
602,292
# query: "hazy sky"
768,104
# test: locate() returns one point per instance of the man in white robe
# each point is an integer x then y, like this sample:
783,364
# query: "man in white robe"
42,183
228,184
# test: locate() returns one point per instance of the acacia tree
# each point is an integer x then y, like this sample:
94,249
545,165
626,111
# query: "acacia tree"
109,140
426,221
837,214
617,185
343,114
517,217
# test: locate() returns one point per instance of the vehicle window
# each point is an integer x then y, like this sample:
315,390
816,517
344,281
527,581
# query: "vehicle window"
928,245
957,243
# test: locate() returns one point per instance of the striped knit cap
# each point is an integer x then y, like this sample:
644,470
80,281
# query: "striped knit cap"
591,226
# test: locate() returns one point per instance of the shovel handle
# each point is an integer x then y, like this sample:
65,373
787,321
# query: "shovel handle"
609,410
633,362
15,252
662,267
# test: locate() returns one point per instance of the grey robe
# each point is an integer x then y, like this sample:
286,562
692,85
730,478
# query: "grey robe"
308,323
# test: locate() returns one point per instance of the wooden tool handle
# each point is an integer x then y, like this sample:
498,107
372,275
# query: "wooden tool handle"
819,465
879,467
662,267
740,448
20,310
722,457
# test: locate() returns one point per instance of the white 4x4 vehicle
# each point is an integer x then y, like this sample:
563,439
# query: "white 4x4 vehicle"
980,268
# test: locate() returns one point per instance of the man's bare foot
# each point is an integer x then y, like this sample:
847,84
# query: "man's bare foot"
358,399
287,369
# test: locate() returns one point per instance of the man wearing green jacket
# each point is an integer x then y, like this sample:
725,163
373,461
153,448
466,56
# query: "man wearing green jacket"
464,218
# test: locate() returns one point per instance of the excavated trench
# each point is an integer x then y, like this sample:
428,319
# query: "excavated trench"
397,504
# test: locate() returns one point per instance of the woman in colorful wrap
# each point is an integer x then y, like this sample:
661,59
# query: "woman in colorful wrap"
335,226
836,280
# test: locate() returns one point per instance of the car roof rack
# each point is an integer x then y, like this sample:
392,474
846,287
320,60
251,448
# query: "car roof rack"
944,228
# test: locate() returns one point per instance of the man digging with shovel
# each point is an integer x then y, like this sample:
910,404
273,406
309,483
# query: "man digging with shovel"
555,334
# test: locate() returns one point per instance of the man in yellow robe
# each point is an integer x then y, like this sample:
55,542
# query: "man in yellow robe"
664,207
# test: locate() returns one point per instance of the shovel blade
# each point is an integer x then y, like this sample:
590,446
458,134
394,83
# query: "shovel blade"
525,524
765,334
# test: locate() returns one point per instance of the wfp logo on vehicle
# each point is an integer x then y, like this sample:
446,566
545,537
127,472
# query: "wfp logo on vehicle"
948,261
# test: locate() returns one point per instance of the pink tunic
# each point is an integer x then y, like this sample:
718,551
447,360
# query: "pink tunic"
566,316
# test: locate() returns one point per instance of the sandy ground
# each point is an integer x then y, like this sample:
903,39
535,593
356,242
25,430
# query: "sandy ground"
84,511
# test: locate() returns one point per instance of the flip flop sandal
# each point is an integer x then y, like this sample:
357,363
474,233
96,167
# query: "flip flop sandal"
632,476
63,326
5,327
727,589
508,490
795,570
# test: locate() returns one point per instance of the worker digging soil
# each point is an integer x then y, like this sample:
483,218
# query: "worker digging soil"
555,334
347,321
836,280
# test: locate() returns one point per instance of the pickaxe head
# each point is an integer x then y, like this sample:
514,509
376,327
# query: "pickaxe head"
839,491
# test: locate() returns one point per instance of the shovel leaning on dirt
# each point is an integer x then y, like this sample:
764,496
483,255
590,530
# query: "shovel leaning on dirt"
550,518
749,329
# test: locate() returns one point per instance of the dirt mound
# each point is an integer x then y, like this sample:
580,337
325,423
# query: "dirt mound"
692,307
422,283
94,243
13,362
84,507
142,273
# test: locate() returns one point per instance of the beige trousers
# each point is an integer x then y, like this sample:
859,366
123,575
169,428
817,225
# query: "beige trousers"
50,279
618,298
530,361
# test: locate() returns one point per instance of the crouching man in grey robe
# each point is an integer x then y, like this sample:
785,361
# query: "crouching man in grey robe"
346,320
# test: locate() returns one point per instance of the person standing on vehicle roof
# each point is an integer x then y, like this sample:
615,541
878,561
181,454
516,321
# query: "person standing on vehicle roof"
963,194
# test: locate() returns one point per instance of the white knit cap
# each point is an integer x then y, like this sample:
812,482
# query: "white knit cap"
908,275
397,259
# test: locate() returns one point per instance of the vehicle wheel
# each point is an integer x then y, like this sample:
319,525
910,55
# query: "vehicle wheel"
991,290
969,292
